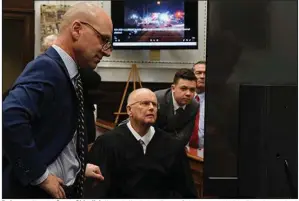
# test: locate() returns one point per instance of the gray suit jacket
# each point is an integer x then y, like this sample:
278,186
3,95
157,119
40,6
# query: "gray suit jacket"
180,127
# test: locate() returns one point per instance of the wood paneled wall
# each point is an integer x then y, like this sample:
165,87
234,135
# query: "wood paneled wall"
16,4
18,38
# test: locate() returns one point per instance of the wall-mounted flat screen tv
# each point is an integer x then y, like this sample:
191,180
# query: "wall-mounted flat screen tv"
149,24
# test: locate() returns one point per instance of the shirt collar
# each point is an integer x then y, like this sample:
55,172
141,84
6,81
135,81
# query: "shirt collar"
146,138
175,104
68,61
201,95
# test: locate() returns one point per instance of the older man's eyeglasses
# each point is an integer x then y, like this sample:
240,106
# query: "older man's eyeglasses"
107,41
146,104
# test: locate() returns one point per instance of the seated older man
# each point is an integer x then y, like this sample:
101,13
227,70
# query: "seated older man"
138,160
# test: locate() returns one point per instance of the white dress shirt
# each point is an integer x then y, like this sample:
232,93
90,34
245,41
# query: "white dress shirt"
145,139
176,105
201,119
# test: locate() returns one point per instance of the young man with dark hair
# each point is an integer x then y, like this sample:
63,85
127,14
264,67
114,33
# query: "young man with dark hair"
178,108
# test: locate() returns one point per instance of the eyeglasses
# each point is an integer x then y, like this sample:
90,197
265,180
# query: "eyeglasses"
107,42
146,104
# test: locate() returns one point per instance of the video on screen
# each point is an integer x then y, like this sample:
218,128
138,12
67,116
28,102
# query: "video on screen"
161,20
148,23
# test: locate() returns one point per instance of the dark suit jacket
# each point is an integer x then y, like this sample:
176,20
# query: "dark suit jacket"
39,120
182,127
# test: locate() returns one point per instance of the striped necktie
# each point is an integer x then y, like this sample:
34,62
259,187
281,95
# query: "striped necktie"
80,136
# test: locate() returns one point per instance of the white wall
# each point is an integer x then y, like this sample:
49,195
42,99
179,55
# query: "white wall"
117,66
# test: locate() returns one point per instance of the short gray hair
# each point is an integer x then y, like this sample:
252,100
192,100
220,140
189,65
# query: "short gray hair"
199,62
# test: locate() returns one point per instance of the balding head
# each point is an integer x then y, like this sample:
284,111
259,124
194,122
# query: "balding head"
142,107
135,95
85,34
87,12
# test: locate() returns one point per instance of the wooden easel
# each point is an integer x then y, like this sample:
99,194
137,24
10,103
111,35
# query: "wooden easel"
134,73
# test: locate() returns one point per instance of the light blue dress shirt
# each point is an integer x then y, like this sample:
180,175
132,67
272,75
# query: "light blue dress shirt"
67,164
201,119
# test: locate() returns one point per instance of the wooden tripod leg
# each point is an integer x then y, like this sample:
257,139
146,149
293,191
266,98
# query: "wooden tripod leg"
134,76
138,77
123,98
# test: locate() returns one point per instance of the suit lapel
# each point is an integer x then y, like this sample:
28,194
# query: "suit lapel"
172,120
52,53
170,110
190,110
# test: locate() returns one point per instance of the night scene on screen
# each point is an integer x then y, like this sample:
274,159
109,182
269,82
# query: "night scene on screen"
161,21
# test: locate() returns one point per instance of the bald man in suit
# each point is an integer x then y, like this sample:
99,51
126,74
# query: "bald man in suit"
44,139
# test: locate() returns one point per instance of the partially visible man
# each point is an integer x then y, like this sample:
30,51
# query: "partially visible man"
138,160
178,108
43,122
48,41
197,138
91,81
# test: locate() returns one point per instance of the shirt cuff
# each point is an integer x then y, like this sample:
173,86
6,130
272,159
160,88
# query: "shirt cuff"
41,179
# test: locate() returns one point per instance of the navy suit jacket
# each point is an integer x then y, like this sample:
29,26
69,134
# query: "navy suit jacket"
39,120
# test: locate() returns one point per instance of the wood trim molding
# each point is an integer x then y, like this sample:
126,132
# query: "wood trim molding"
28,35
17,10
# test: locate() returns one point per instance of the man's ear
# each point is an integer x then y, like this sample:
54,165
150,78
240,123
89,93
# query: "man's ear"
129,111
76,30
172,87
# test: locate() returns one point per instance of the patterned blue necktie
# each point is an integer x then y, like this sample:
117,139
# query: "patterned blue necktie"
80,136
